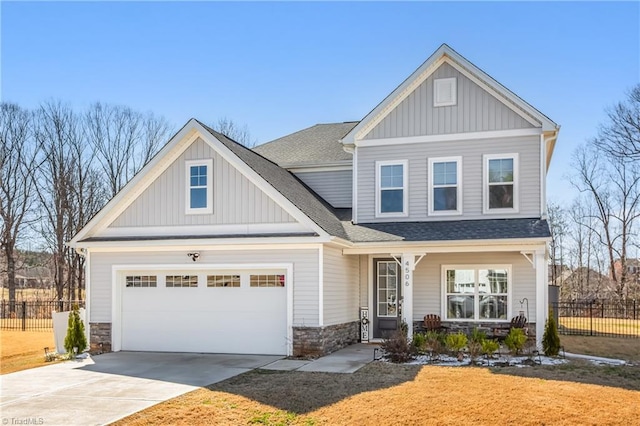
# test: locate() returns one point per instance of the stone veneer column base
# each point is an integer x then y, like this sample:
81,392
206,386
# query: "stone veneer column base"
466,326
319,341
99,333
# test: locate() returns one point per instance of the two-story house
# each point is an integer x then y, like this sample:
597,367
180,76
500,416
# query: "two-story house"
434,203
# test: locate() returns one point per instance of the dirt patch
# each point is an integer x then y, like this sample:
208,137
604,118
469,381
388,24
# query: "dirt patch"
20,350
382,393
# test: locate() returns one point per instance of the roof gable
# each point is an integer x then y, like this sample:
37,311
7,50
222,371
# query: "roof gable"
475,110
284,187
446,54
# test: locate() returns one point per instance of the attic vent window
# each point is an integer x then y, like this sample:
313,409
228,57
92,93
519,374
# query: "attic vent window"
445,92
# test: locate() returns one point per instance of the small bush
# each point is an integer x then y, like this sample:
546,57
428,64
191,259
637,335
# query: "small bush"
489,347
550,338
397,347
419,342
515,340
456,342
434,342
75,337
476,338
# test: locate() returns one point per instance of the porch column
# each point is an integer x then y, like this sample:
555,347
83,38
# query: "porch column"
542,309
408,265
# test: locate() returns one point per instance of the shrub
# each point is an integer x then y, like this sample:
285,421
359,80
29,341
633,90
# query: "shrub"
550,338
515,340
489,347
434,342
419,342
75,333
456,342
397,347
475,343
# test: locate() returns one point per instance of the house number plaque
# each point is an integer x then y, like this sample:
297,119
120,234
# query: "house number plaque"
407,274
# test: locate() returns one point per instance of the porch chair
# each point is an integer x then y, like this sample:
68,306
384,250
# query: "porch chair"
432,322
519,321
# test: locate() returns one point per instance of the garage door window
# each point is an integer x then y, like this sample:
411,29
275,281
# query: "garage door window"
223,280
182,281
141,281
266,281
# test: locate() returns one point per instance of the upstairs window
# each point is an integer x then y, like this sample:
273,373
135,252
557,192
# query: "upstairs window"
445,186
445,92
199,187
501,183
391,193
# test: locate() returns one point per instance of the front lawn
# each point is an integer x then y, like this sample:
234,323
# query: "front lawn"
608,347
381,393
20,350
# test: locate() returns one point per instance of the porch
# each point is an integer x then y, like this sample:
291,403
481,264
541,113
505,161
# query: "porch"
468,287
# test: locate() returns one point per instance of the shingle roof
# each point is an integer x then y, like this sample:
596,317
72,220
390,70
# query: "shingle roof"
288,185
314,145
456,230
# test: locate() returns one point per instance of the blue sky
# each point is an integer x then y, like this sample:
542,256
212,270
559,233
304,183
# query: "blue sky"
281,67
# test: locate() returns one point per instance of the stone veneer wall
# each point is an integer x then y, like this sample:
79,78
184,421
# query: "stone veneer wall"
319,341
466,327
99,332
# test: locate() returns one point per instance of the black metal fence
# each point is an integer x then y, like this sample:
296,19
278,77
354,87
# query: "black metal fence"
32,315
599,318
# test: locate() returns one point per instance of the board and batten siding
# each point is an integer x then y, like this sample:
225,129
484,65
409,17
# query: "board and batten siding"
305,275
427,280
476,111
341,287
471,151
236,200
334,186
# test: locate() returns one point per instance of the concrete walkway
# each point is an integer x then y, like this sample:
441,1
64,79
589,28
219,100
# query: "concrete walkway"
347,360
108,387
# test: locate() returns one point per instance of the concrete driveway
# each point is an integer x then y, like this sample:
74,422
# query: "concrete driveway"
107,387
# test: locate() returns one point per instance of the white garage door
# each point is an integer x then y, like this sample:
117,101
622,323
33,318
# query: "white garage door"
222,311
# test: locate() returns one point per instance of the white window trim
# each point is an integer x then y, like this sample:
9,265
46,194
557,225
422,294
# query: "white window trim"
438,85
405,188
430,197
485,184
476,319
209,208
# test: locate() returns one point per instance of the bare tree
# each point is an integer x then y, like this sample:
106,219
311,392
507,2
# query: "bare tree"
620,137
17,166
234,131
558,225
124,140
87,196
57,130
612,184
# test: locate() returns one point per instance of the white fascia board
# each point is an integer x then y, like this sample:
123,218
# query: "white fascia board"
448,247
493,134
495,86
402,91
183,230
226,244
158,164
259,181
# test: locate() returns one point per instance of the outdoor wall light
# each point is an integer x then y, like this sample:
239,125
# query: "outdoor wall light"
194,255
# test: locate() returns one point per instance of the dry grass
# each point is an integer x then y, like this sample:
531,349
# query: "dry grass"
20,350
612,326
608,347
404,395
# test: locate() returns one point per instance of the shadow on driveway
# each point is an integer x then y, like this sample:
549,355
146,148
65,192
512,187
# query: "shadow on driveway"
184,368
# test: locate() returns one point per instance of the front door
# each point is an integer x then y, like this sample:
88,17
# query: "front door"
386,297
